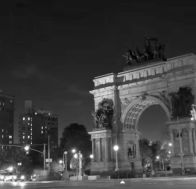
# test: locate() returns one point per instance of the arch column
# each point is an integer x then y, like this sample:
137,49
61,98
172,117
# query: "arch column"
101,150
184,158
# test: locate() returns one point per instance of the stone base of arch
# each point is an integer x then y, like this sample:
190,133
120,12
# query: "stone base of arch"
182,133
103,160
126,140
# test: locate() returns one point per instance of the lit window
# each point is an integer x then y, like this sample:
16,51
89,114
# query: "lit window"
28,136
10,137
35,113
23,118
2,136
23,137
29,118
2,130
10,142
42,132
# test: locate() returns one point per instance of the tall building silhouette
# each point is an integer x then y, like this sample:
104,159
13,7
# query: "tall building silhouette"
38,126
6,118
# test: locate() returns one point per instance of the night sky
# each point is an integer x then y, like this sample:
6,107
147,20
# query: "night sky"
51,50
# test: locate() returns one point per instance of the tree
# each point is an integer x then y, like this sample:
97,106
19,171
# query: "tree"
182,102
149,151
76,136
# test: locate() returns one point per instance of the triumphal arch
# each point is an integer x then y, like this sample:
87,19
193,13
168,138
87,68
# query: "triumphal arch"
121,98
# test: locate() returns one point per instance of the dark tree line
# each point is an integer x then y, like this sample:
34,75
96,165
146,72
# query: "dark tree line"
182,102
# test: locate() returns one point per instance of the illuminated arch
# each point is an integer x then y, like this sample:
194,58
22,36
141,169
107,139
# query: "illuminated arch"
134,110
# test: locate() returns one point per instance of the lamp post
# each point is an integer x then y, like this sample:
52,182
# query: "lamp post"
78,156
65,164
27,148
181,152
116,148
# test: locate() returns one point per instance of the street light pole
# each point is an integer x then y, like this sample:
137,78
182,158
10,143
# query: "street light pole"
49,152
116,148
27,148
65,164
44,156
80,163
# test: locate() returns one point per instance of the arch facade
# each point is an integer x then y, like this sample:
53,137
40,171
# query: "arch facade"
132,92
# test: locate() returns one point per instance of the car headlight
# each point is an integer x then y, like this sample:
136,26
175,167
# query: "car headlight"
22,177
14,177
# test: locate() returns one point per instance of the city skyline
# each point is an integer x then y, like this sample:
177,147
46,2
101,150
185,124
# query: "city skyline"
51,51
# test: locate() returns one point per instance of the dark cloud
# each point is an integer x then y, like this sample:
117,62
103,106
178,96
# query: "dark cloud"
27,72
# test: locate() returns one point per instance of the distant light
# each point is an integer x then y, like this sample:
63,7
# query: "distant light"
91,156
116,148
22,177
76,156
27,148
169,152
65,152
35,113
60,161
73,151
157,157
170,144
10,169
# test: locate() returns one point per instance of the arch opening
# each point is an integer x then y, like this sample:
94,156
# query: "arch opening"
133,112
152,124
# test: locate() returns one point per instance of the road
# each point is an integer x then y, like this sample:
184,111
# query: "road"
155,183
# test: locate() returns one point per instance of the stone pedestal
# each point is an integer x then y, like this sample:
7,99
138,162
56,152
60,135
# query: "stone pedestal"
102,151
182,134
129,152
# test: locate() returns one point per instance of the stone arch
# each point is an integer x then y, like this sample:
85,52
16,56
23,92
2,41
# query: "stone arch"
134,110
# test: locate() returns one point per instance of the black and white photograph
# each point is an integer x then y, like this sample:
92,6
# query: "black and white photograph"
98,94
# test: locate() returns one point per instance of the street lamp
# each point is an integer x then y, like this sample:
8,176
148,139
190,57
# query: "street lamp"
91,156
116,148
27,148
73,151
78,156
65,163
60,161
